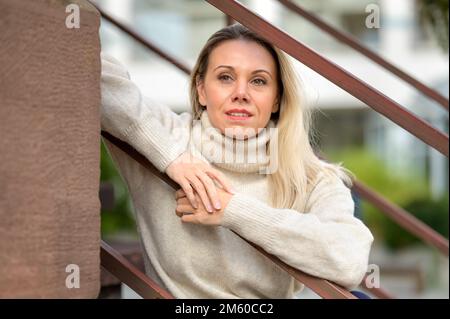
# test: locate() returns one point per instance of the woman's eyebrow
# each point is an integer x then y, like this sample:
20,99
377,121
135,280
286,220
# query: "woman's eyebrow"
262,70
230,67
224,66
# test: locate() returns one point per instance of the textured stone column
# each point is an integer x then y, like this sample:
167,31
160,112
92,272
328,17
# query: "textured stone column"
49,150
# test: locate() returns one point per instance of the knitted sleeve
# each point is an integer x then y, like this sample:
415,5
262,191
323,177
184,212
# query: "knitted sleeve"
326,241
152,129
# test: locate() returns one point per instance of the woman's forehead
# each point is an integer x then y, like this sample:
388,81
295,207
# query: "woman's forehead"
240,54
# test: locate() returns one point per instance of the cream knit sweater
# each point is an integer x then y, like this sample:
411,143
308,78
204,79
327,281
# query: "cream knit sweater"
196,261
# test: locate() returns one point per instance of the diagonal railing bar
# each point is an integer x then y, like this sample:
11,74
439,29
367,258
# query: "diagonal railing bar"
322,287
144,41
355,44
403,218
340,77
129,274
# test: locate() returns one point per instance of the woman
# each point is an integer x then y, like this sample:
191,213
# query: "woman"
300,210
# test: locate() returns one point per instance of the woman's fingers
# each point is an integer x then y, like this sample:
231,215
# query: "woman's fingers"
210,189
197,184
192,174
221,179
182,209
189,218
180,193
187,189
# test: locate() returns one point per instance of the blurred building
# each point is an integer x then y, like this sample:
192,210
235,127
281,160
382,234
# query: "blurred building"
182,27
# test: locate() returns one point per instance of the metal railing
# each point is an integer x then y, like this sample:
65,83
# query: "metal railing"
130,275
351,84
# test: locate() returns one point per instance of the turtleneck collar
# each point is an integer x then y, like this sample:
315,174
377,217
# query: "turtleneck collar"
243,156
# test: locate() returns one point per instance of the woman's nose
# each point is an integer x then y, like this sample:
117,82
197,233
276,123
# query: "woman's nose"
240,93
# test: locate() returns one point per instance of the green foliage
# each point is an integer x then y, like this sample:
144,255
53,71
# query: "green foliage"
409,192
433,212
120,218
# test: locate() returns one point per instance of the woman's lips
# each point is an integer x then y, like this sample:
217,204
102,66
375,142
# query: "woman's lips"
235,117
238,115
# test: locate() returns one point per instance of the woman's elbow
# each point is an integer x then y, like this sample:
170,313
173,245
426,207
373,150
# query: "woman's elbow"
352,277
352,265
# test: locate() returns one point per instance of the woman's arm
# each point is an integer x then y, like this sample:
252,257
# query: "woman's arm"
327,241
152,129
159,134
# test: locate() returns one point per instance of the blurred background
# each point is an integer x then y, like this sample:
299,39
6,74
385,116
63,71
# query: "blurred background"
413,35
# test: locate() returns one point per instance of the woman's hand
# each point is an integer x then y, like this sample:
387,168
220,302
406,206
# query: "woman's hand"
190,214
193,174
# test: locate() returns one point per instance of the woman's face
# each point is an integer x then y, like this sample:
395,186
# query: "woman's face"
240,87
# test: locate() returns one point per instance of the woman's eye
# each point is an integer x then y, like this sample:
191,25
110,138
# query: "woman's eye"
225,77
259,81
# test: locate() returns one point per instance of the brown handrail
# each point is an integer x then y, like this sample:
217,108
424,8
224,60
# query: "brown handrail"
403,218
322,287
355,44
129,274
353,85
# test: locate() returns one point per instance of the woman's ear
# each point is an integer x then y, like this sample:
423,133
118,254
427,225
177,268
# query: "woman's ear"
276,105
201,92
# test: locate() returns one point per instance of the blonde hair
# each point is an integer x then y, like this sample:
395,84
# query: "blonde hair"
298,166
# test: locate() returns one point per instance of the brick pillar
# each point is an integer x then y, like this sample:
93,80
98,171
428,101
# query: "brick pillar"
49,150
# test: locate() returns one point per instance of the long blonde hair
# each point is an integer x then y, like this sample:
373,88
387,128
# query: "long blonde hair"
298,166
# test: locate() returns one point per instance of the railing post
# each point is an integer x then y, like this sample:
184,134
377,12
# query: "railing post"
50,150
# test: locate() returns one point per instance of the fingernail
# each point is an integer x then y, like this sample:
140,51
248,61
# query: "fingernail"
209,208
217,205
195,204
